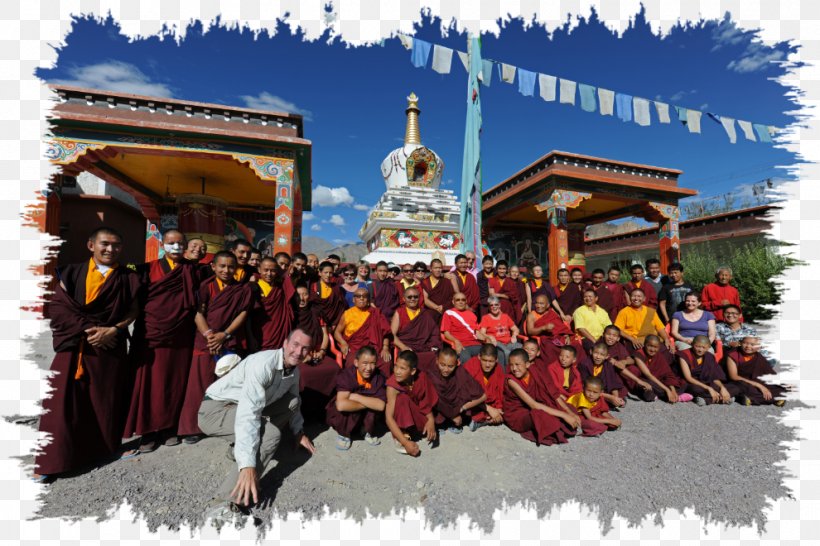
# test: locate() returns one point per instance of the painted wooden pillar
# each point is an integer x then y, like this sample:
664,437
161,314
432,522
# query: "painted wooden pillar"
668,234
558,245
297,218
283,231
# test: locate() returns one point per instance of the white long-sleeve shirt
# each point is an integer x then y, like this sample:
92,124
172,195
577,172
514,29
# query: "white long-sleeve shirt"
255,383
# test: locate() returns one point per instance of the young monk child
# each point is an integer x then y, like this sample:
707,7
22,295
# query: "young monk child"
410,401
653,375
704,376
534,354
458,392
745,366
360,400
564,373
618,353
486,371
597,365
531,404
593,408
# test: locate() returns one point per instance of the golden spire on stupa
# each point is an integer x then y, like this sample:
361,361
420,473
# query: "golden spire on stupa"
412,134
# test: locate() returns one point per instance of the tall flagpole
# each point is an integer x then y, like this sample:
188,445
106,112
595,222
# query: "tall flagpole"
471,165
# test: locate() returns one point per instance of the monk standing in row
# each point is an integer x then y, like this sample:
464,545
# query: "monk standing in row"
385,296
271,315
438,290
466,284
162,346
93,304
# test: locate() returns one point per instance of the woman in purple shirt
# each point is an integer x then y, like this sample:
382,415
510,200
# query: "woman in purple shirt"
692,321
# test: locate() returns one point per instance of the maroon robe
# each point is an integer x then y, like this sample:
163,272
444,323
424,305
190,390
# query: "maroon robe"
660,366
570,299
545,290
555,374
753,370
442,294
271,316
509,288
534,425
330,308
413,404
453,392
707,372
400,288
222,307
551,342
469,287
492,386
309,321
617,298
422,335
162,347
346,422
372,332
590,427
385,296
522,299
605,300
85,416
612,381
648,289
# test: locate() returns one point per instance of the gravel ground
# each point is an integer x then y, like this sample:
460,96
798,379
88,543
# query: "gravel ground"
718,460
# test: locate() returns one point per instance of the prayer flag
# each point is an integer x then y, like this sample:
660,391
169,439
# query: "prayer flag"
693,120
471,166
682,116
567,92
406,41
623,106
420,53
762,133
463,56
607,100
546,87
641,107
507,72
587,93
526,82
442,59
486,74
663,111
747,130
729,127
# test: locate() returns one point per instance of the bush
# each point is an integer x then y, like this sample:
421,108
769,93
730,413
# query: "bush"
754,268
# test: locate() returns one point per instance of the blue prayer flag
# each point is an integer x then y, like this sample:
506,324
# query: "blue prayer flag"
420,53
526,82
762,132
623,106
587,93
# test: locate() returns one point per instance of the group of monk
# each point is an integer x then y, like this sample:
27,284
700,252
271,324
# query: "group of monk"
422,348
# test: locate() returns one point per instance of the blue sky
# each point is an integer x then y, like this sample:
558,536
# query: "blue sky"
353,99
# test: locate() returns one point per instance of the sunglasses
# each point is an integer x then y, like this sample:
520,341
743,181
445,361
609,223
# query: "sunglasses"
350,274
411,297
421,270
359,295
460,299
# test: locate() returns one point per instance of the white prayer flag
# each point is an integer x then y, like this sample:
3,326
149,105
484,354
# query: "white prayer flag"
746,126
442,59
546,87
640,108
463,57
406,41
729,127
663,111
567,92
507,73
606,98
693,120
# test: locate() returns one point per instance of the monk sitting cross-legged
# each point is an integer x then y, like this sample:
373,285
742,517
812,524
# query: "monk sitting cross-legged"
416,329
363,325
530,405
594,410
598,365
220,322
488,373
360,400
564,373
652,375
745,367
458,392
411,398
553,333
703,374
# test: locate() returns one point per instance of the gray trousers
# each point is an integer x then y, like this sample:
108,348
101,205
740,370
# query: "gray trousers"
217,418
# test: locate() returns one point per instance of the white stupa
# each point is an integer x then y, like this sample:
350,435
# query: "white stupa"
414,219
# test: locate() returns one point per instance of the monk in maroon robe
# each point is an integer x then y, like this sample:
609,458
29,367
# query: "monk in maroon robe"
705,378
745,366
530,404
616,291
411,398
568,294
327,297
506,290
437,290
466,284
652,374
271,315
597,364
638,281
563,373
92,306
605,297
359,401
552,332
417,330
162,345
220,321
363,325
383,290
488,373
458,391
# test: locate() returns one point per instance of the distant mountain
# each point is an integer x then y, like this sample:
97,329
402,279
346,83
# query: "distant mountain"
316,245
321,247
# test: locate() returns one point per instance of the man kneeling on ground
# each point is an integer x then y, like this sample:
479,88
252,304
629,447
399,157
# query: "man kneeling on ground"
235,408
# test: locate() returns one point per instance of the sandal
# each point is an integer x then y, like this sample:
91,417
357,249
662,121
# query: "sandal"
130,454
372,440
342,443
171,441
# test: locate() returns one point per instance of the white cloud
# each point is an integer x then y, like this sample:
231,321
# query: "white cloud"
266,101
336,220
315,227
756,57
359,206
114,76
727,34
331,197
307,216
